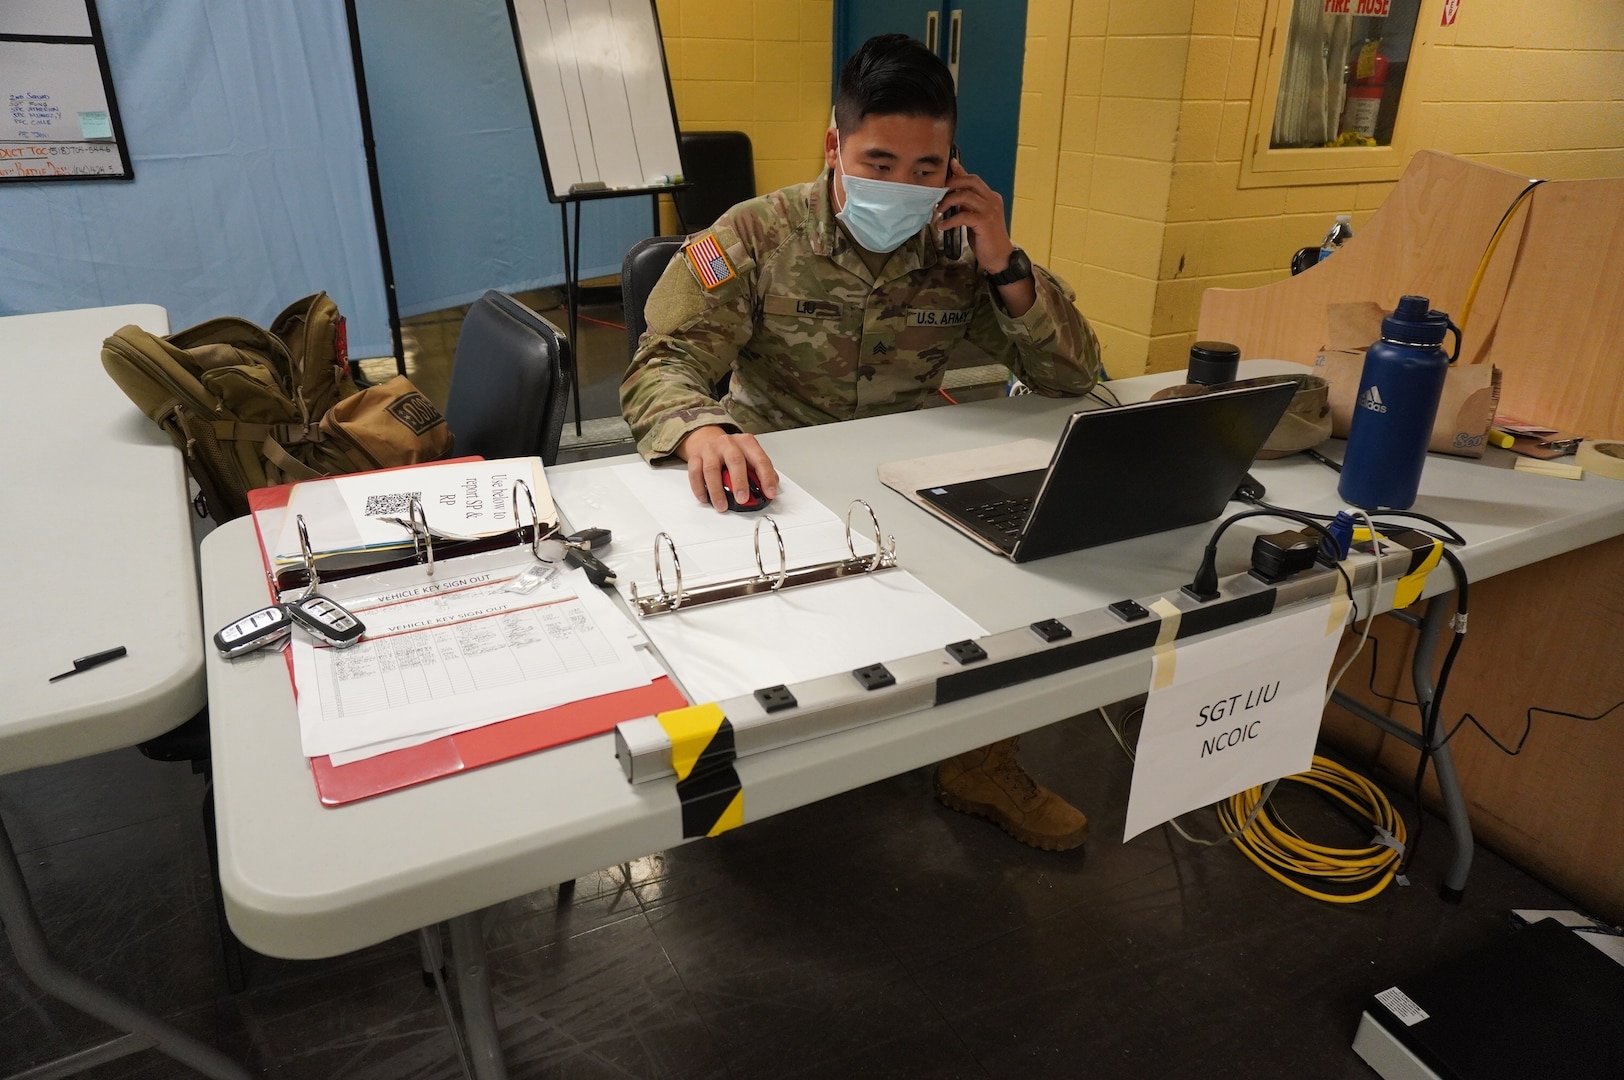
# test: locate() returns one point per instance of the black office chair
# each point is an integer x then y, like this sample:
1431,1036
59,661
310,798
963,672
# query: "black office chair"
510,381
641,268
720,168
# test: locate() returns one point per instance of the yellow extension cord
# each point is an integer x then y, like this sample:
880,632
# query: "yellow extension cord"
1488,255
1280,852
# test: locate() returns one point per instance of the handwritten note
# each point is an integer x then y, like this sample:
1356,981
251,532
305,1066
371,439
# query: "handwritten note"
60,159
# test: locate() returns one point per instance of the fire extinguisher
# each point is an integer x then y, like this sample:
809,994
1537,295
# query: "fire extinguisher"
1364,101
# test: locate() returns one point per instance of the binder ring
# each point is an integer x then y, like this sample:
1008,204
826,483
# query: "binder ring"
535,522
783,562
420,525
676,563
304,549
880,548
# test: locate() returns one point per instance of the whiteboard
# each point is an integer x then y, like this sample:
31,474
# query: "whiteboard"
600,95
44,18
58,117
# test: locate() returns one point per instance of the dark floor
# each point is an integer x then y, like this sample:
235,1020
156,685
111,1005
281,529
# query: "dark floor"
873,934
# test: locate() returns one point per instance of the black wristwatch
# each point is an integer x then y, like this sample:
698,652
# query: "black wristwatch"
1019,269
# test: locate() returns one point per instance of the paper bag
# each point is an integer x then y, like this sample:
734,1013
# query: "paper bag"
1471,391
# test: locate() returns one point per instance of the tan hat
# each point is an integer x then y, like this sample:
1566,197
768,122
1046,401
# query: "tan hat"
1305,424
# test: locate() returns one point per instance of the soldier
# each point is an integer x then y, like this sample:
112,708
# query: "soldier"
834,300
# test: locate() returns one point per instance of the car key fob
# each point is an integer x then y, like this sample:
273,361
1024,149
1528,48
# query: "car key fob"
327,621
590,539
597,571
267,626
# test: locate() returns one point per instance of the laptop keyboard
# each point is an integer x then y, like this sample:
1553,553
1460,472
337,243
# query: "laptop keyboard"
1004,517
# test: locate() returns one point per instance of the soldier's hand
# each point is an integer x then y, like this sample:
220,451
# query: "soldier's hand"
981,210
711,449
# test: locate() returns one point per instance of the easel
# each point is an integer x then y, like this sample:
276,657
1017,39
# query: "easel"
599,138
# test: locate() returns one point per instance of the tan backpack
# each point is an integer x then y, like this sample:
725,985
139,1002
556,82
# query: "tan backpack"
252,408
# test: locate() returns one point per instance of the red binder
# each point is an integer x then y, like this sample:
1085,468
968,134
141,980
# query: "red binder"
340,784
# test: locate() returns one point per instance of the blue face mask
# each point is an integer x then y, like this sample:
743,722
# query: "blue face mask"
882,215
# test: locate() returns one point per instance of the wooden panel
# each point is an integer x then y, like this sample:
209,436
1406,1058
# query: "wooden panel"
1427,238
1560,339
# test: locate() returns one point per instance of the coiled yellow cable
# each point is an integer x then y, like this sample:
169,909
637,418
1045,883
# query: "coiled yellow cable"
1287,857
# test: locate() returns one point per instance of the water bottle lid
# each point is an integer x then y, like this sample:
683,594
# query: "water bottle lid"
1215,351
1415,323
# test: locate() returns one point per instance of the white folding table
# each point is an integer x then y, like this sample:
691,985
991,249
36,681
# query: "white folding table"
97,550
326,881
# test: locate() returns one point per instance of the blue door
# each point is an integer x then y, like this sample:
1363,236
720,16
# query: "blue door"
983,43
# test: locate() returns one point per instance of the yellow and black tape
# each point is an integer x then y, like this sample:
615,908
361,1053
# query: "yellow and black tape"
702,753
1425,554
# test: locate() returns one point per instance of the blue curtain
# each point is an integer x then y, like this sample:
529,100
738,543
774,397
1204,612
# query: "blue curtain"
464,197
250,184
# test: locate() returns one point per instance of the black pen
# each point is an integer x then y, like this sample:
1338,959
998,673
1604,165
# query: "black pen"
85,663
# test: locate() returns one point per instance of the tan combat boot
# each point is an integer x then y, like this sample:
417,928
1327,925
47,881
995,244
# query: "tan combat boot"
990,783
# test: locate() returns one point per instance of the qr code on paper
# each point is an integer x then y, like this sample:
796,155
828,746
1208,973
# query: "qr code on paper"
391,505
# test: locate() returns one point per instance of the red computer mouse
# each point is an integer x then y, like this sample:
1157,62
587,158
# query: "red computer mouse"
754,501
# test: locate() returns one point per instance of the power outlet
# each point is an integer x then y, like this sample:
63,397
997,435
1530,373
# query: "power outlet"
966,651
874,677
776,698
1051,630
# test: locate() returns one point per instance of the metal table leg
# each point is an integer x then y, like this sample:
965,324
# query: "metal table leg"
143,1029
473,978
1439,609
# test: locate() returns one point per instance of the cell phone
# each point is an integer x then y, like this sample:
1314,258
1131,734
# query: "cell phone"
267,626
953,238
327,621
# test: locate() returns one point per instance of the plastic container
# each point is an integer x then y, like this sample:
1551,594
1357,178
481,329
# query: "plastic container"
1393,414
1213,362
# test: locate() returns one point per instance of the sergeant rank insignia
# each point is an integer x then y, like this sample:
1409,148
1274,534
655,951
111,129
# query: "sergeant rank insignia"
709,262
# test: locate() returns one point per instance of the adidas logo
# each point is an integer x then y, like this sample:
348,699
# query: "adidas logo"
1372,399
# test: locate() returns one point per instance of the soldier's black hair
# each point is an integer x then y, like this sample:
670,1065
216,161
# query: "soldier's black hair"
894,74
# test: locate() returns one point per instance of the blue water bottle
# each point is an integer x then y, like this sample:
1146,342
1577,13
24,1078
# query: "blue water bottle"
1403,379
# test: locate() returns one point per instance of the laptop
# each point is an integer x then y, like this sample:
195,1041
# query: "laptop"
1120,473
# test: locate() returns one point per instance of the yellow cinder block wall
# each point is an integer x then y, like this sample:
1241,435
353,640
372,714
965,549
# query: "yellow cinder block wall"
1133,192
757,66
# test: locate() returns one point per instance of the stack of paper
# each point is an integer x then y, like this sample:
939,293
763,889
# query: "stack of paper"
353,520
458,651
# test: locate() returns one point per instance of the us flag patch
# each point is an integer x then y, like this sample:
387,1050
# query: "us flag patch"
709,263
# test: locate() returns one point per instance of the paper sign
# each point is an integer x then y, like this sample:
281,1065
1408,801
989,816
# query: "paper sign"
1451,8
1240,709
95,125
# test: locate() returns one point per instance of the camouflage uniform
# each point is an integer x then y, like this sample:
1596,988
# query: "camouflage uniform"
812,336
